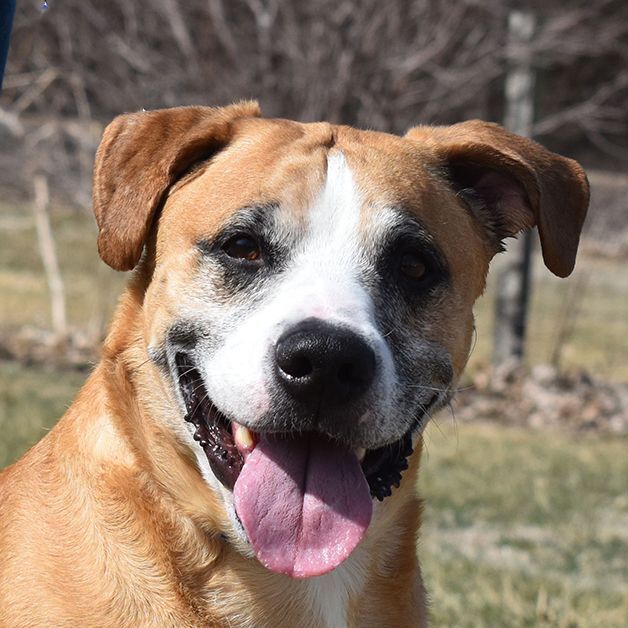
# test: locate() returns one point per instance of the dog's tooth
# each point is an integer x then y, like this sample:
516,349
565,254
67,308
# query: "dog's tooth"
360,452
243,438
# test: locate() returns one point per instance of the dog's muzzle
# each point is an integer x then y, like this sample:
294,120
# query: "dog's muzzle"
301,488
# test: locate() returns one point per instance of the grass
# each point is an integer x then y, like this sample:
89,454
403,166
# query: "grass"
598,342
91,287
521,528
524,528
31,401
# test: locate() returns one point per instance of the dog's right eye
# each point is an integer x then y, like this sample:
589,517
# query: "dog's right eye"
244,247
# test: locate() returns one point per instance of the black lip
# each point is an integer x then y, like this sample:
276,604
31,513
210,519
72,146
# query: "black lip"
382,467
213,429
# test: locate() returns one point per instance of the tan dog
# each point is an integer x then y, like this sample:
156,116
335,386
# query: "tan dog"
302,305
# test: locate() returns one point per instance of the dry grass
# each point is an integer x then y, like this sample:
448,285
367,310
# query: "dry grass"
91,287
524,528
598,342
31,401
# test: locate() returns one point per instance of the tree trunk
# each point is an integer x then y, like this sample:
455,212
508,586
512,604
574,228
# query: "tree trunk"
49,256
513,282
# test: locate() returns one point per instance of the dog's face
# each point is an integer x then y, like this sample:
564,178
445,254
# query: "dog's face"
311,299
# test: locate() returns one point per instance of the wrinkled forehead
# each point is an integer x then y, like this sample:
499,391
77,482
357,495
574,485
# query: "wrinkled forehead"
320,174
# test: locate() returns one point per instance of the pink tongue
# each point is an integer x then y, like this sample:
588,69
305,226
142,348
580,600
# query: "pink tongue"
304,503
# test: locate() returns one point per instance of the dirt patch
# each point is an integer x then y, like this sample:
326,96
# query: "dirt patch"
32,346
545,398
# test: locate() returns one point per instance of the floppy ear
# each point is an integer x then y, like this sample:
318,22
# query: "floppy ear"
140,156
518,183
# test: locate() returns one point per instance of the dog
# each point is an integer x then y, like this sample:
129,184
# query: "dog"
246,451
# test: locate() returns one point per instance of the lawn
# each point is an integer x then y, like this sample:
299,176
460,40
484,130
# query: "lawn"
91,287
524,528
521,528
31,401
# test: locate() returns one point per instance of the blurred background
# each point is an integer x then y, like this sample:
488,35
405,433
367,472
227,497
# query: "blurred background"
525,477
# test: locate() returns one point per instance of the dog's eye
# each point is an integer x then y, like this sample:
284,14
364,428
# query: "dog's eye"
413,266
242,246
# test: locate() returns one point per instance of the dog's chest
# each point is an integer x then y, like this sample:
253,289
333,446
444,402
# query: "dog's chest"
328,596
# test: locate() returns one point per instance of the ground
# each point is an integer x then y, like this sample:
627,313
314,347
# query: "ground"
524,527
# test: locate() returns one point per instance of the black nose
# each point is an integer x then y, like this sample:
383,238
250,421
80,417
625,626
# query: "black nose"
321,363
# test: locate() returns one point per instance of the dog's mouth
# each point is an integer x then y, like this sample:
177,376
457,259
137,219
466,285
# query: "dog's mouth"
227,444
304,500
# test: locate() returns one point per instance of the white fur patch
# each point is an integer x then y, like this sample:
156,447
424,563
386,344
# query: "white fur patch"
328,595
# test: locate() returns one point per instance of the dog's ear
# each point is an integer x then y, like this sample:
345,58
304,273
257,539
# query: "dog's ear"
140,156
518,184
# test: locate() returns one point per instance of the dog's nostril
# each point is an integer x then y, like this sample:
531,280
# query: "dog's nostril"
296,366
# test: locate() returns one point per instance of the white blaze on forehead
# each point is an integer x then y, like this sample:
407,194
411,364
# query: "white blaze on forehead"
327,266
323,280
340,243
335,216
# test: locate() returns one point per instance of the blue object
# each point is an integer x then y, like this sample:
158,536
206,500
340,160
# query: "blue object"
7,11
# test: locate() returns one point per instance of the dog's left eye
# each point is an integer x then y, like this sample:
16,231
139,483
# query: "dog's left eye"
413,266
242,246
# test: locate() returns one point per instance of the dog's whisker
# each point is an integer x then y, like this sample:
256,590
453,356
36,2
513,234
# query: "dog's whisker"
436,424
462,388
454,420
137,367
474,342
424,444
184,373
432,388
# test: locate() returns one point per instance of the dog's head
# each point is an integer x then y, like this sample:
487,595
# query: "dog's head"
311,294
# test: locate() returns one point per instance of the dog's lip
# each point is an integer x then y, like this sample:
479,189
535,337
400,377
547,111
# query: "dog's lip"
213,430
228,443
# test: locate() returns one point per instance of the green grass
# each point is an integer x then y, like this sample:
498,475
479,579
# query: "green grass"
521,528
524,528
31,401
